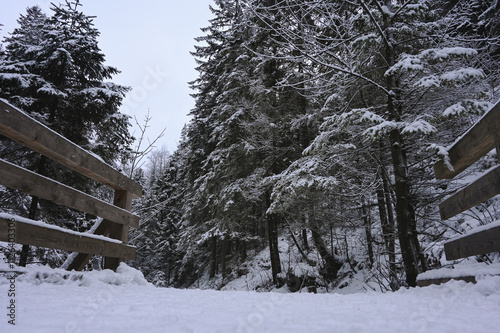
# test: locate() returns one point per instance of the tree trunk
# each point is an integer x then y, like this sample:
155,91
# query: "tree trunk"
300,250
407,240
226,247
391,228
25,251
423,262
304,239
242,247
272,227
387,221
331,265
404,211
368,233
213,261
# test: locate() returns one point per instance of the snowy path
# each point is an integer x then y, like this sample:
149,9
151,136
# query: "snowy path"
100,307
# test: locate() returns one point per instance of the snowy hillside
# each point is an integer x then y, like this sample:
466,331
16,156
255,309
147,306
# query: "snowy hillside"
58,301
298,274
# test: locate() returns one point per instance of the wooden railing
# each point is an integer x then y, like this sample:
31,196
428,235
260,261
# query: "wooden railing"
117,217
477,142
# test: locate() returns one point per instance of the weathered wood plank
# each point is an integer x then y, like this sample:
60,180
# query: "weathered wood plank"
477,142
29,182
483,242
18,126
30,234
479,191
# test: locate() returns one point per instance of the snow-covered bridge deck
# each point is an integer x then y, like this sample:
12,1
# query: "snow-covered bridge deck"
124,302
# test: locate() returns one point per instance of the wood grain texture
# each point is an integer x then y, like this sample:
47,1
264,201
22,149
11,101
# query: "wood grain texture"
477,142
477,192
18,126
36,235
29,182
482,242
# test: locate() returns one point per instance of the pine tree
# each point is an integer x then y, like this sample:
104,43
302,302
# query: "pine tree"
241,135
54,70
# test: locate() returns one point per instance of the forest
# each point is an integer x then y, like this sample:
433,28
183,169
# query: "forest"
308,155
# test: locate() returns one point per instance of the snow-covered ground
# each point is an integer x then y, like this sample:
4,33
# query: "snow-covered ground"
57,301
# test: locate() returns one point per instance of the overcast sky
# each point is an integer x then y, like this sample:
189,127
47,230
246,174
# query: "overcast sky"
149,41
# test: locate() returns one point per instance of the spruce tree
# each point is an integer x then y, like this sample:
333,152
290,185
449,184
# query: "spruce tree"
54,70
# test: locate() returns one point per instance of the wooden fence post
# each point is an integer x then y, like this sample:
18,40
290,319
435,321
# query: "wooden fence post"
123,199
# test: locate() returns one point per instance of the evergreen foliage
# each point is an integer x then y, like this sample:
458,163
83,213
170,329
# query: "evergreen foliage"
320,121
53,69
315,127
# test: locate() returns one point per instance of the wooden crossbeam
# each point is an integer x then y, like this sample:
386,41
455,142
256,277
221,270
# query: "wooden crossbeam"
18,126
477,192
32,234
29,182
477,142
482,242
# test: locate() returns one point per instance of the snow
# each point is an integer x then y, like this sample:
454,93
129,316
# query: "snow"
96,91
21,78
478,270
428,82
377,130
480,228
462,74
443,153
450,77
418,126
366,115
447,52
455,109
48,89
124,302
459,108
409,62
387,11
364,38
